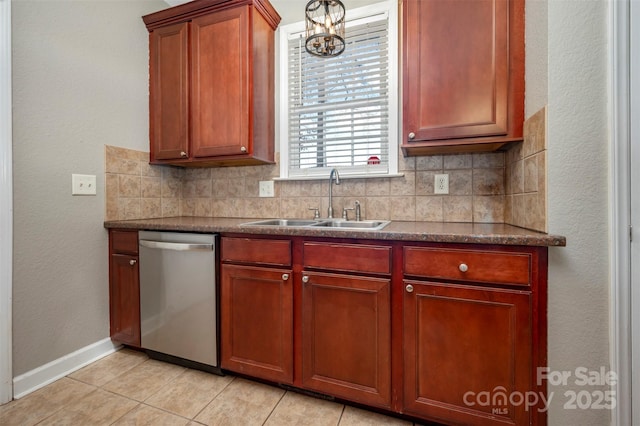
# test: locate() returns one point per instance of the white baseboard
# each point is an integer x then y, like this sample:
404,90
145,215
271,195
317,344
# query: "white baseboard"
39,377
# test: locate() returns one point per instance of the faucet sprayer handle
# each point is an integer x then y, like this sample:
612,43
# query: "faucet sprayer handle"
358,211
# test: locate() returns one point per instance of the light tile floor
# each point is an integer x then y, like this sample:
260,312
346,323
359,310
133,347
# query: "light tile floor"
128,388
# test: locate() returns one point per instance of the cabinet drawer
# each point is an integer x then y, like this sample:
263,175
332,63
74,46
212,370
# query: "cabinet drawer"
257,251
481,266
348,257
125,242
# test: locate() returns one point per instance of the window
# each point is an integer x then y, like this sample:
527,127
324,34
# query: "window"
341,112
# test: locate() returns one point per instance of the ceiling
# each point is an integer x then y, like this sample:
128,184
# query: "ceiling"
293,10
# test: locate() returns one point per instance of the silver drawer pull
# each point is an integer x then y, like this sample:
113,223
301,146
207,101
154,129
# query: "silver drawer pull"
412,136
132,262
463,267
409,288
305,279
183,154
285,277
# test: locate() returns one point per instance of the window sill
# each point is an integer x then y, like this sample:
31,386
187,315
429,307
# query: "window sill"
342,176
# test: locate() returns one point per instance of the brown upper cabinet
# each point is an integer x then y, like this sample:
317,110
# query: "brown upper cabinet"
463,75
211,78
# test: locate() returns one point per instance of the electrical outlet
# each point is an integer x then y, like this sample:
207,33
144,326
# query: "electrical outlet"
83,184
267,188
441,184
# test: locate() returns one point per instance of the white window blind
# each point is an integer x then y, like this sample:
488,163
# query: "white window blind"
338,108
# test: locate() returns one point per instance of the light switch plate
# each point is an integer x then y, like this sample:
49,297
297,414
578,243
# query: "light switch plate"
267,188
83,184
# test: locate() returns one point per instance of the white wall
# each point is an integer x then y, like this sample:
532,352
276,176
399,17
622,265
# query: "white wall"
536,61
6,204
573,48
80,78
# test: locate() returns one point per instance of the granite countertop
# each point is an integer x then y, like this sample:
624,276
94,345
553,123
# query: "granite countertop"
437,232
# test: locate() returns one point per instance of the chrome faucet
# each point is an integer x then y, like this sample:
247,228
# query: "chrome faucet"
333,173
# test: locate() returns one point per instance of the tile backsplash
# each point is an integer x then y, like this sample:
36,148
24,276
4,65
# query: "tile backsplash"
526,171
483,187
136,190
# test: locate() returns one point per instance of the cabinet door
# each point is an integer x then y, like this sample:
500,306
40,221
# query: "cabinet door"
456,69
257,322
220,83
124,299
169,85
346,342
466,352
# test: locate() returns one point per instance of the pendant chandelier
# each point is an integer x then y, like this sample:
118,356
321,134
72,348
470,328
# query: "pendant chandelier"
325,27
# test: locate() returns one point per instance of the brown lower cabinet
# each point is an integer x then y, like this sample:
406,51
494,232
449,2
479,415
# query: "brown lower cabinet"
257,322
346,336
256,307
461,343
124,287
421,329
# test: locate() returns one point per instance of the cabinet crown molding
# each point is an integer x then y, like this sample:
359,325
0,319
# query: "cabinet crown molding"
188,11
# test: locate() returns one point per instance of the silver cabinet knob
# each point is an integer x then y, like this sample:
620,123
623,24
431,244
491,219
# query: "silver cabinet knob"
409,288
305,279
285,277
183,154
243,149
132,262
463,267
411,136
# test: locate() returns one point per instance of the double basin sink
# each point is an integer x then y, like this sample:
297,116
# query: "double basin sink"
370,225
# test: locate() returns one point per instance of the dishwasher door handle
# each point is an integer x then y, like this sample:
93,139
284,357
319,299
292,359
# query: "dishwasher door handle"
176,246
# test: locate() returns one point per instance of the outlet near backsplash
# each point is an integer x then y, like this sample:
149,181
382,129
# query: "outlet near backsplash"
482,188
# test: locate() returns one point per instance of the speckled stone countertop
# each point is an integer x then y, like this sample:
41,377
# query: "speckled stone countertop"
437,232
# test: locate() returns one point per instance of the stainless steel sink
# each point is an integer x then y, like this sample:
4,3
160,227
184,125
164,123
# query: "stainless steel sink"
371,225
281,222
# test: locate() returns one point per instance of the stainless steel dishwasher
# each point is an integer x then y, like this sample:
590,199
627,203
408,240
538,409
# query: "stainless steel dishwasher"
178,295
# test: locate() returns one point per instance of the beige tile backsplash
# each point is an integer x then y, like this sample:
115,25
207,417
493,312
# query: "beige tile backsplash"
526,183
135,189
484,187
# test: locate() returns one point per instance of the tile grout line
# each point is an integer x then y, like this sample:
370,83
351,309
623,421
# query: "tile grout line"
166,411
127,413
344,407
63,406
143,403
274,408
214,398
138,403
